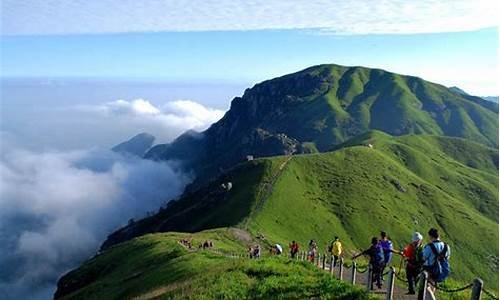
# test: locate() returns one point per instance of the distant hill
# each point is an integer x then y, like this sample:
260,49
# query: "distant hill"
322,106
137,145
491,98
400,185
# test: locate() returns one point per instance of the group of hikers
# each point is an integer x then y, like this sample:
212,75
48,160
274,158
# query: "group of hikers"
188,243
431,257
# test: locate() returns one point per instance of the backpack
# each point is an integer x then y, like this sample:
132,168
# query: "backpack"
440,270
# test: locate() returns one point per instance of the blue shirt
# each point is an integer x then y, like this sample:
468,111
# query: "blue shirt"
429,257
387,247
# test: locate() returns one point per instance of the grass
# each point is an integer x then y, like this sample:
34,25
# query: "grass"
352,193
155,266
403,184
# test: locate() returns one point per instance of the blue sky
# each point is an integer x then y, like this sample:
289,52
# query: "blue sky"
449,42
466,59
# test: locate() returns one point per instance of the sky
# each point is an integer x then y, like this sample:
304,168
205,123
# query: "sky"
449,42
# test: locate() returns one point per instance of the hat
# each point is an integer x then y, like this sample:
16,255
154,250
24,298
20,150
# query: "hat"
417,237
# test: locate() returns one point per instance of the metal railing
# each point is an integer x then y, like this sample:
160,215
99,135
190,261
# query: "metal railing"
476,286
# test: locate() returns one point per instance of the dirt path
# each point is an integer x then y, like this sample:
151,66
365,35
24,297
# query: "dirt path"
268,186
399,291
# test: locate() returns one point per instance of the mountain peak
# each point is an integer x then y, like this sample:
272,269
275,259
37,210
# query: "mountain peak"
325,105
137,145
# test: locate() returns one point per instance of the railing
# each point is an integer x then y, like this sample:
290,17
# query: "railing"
476,286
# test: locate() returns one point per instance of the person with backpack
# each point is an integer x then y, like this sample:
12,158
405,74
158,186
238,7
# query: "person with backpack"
436,255
376,255
414,259
312,250
336,250
294,249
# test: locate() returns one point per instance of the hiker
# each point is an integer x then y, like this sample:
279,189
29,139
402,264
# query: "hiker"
312,250
278,249
335,249
256,251
205,245
294,249
435,261
386,245
414,259
376,255
250,251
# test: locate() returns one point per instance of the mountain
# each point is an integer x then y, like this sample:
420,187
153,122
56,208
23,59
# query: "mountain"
458,90
322,106
491,99
398,184
137,145
345,151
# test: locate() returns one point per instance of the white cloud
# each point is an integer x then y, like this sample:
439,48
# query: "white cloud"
166,121
334,16
57,207
136,107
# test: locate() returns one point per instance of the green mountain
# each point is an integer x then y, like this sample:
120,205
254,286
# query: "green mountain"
402,184
322,106
431,162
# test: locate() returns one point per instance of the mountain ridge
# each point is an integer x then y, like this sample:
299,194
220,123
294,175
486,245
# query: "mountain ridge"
316,108
341,150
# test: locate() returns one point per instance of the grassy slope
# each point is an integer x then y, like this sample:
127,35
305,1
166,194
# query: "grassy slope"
155,266
448,183
349,193
352,100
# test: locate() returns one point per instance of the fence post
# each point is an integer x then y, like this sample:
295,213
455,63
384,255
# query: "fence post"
425,276
323,266
477,287
341,268
331,265
390,284
353,274
369,279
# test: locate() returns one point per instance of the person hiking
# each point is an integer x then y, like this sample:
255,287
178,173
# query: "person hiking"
414,259
336,250
312,250
386,244
278,249
256,251
294,249
376,255
435,261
